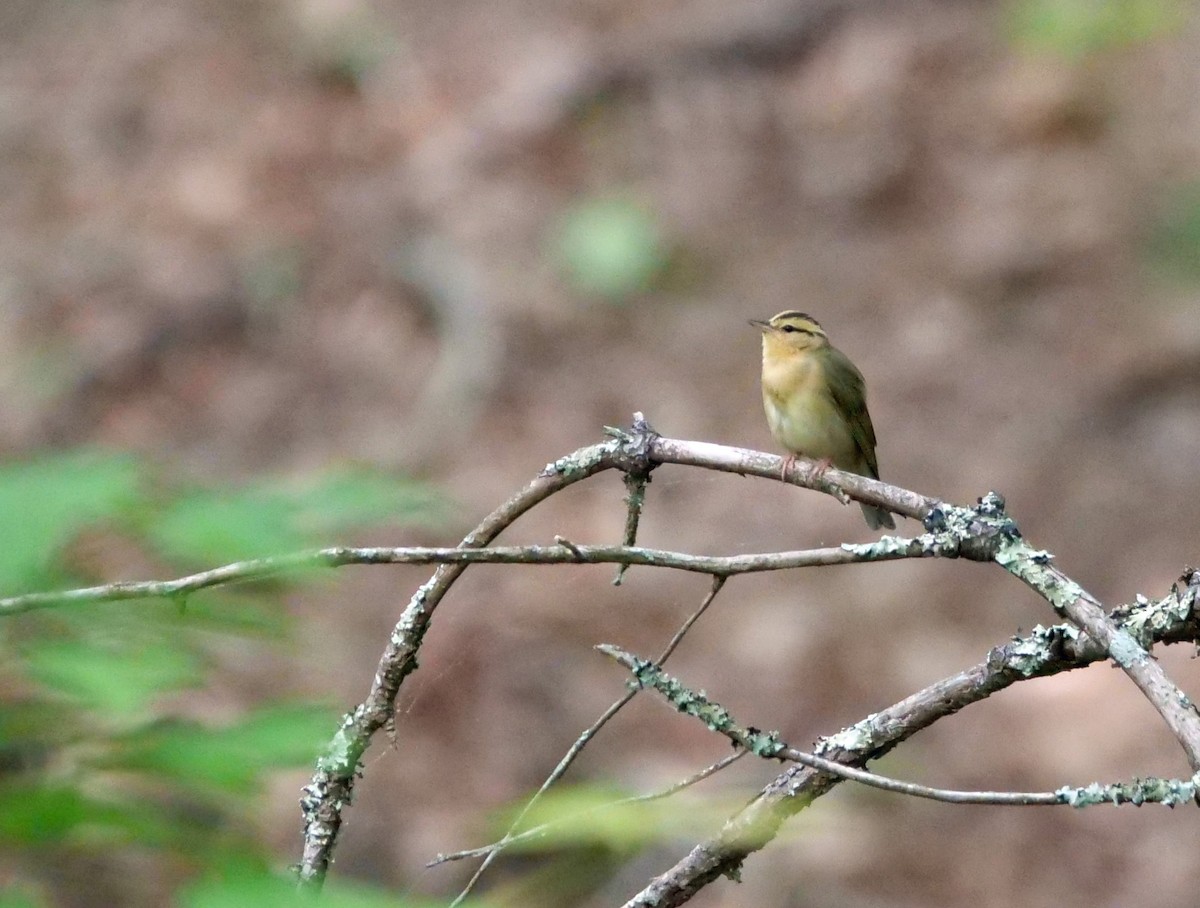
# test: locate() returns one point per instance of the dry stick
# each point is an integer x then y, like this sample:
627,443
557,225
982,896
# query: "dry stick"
332,784
992,536
581,742
804,473
635,454
767,745
1044,652
562,552
1175,707
543,829
989,534
635,484
329,792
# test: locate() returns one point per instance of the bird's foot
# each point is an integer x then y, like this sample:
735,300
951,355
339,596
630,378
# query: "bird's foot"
820,467
788,463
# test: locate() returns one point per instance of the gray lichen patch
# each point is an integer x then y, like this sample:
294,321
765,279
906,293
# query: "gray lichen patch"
1170,792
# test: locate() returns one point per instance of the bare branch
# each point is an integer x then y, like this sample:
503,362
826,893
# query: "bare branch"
562,552
983,533
1045,651
636,481
544,829
988,533
1171,792
590,732
332,785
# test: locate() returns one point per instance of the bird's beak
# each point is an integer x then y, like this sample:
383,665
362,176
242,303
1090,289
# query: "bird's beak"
760,325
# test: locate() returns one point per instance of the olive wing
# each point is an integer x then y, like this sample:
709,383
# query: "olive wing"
849,393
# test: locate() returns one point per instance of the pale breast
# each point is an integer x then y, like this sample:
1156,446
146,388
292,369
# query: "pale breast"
802,415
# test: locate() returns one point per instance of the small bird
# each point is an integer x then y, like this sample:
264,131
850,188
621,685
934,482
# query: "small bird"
816,401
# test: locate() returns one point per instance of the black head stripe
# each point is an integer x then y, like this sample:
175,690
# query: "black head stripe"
796,313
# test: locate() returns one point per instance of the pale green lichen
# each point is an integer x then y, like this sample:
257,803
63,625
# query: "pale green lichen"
1169,792
582,462
857,738
1147,619
341,757
1125,650
1032,566
698,705
1030,655
883,547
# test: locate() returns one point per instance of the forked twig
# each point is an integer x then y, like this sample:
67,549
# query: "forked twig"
546,828
1170,792
577,747
983,533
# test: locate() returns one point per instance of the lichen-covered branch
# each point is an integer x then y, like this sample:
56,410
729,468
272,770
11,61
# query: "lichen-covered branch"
1169,792
1045,651
983,533
562,552
328,794
987,533
581,742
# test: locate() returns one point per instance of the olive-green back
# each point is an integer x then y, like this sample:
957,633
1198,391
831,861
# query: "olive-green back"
850,395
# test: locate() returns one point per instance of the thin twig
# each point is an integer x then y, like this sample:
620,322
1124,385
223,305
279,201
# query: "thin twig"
331,788
636,481
1044,652
577,747
544,829
562,552
1171,792
987,533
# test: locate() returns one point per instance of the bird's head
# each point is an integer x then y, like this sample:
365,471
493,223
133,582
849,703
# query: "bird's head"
791,332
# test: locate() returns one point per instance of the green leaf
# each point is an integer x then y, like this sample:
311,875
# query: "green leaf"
611,248
218,612
345,498
14,898
229,759
44,503
274,517
1176,236
237,887
1076,28
109,677
207,528
33,816
588,815
36,816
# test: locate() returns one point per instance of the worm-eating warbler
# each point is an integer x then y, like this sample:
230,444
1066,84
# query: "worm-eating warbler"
816,400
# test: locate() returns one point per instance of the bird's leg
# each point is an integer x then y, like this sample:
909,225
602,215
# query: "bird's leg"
819,467
822,467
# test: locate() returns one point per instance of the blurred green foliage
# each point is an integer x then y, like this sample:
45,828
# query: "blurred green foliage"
591,831
17,899
1174,241
45,503
95,766
610,247
594,815
1076,28
204,527
249,887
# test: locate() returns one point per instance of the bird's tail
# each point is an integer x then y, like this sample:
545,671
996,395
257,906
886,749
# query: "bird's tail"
877,517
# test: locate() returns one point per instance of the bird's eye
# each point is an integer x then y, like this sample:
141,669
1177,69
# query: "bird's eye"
789,328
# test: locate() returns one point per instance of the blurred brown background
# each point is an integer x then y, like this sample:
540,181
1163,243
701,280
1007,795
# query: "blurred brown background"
241,236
